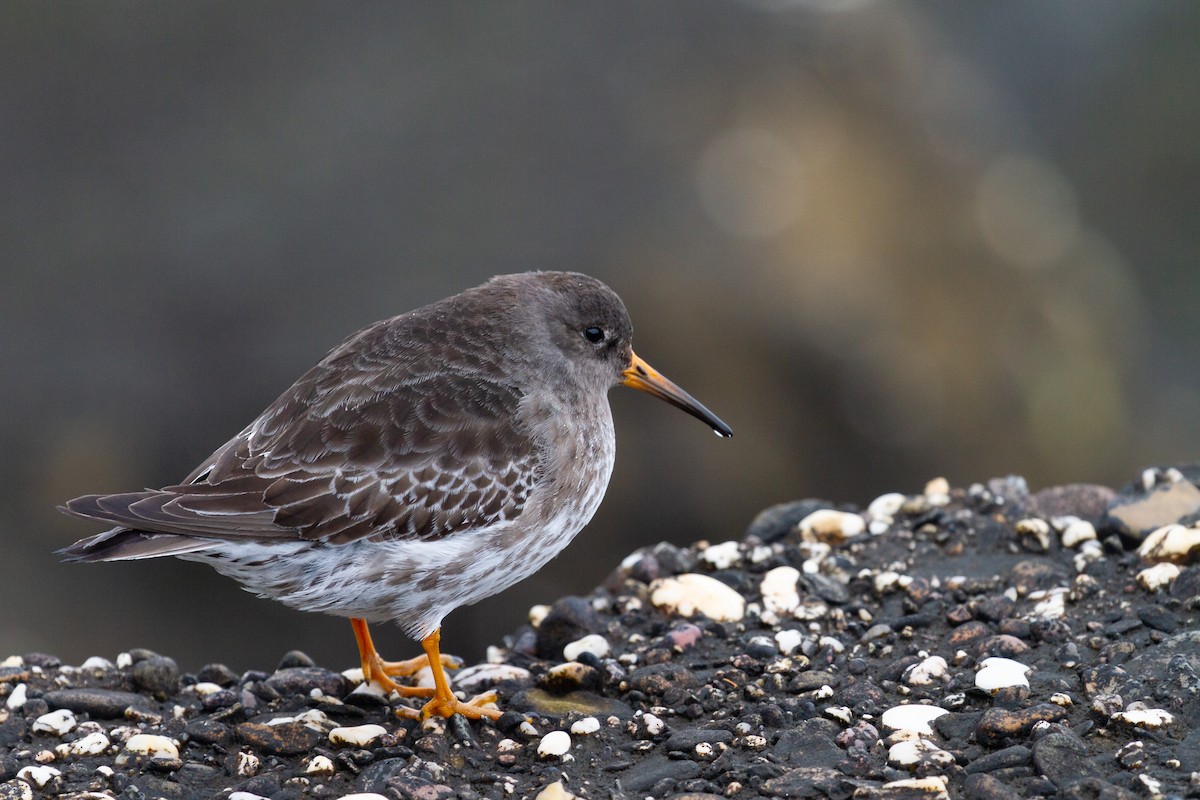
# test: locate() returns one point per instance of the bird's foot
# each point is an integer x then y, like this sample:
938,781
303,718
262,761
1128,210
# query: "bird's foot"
446,707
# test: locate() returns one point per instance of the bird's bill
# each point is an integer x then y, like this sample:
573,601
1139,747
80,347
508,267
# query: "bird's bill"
641,375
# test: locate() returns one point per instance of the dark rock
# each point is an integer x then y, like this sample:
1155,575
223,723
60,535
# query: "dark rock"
222,699
156,674
962,636
411,787
812,679
808,782
1084,500
284,739
657,679
542,702
302,680
999,724
97,703
374,779
1158,618
981,786
1105,679
685,740
43,660
12,731
208,731
218,674
571,676
1094,789
995,608
1006,646
569,619
957,726
1015,756
1037,574
812,743
294,659
646,774
775,522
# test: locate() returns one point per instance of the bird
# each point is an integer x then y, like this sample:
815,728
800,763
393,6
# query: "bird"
427,462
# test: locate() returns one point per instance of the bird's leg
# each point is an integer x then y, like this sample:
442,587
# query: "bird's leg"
376,670
444,703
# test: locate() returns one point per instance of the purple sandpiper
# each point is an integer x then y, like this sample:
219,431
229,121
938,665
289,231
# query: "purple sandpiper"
427,462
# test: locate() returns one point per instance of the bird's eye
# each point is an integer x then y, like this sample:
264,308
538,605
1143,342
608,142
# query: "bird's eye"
594,334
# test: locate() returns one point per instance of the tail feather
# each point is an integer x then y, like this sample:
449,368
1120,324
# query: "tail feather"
123,542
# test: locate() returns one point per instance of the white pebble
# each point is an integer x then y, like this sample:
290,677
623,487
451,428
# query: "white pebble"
124,661
18,790
583,727
779,590
1145,717
788,641
1158,577
58,723
654,725
242,795
1037,529
96,662
888,581
1173,543
205,688
1076,531
913,717
38,776
17,698
593,643
555,791
357,735
478,676
932,787
704,750
537,614
1061,699
13,661
721,556
908,754
554,744
1001,673
319,765
840,713
930,671
885,507
937,492
1052,606
148,744
760,553
692,593
828,525
247,764
526,729
91,745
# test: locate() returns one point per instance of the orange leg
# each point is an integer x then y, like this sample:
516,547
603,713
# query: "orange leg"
444,703
376,670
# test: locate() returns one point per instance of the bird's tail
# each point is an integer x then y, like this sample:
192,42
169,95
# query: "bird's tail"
122,543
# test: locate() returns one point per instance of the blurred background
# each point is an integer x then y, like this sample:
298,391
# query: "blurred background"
884,241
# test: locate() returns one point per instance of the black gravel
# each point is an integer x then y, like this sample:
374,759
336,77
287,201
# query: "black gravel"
701,708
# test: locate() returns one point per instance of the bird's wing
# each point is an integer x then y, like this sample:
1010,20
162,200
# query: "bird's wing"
348,453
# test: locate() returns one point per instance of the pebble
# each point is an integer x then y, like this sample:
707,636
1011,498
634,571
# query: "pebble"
568,620
1172,543
585,726
38,776
97,703
478,677
918,753
92,744
885,507
56,723
554,744
593,643
999,724
692,593
788,641
290,737
554,791
1000,673
17,698
721,556
830,526
356,736
148,744
779,590
931,671
913,717
156,674
1076,531
319,765
1160,576
1145,717
303,680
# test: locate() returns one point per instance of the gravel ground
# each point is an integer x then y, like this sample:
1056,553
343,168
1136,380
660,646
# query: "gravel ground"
982,643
